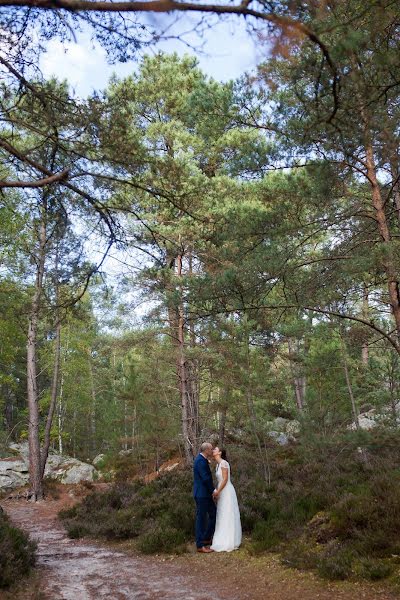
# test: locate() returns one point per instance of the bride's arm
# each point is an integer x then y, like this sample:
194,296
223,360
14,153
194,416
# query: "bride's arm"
225,473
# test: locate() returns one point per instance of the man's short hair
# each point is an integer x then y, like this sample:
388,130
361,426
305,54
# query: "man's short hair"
205,446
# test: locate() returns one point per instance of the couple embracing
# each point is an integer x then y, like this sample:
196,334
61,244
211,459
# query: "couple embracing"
218,527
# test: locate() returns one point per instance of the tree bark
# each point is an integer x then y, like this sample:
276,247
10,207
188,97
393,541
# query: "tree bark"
92,415
252,414
299,381
365,313
35,475
349,386
186,374
388,261
53,399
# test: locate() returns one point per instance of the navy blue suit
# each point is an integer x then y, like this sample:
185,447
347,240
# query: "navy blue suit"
203,487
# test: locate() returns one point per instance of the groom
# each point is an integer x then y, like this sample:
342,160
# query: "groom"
203,494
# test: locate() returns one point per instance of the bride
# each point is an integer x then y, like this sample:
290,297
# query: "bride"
228,530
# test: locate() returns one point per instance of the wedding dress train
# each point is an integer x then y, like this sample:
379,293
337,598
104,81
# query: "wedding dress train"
228,529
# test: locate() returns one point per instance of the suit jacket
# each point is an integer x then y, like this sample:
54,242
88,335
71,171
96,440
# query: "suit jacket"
203,485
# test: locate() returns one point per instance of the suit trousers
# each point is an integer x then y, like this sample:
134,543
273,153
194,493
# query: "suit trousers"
206,514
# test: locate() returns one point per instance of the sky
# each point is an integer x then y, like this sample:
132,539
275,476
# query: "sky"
225,52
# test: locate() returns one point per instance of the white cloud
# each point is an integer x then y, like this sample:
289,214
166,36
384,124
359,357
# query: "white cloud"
83,64
227,51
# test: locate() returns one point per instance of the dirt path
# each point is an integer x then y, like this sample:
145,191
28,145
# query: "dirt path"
82,570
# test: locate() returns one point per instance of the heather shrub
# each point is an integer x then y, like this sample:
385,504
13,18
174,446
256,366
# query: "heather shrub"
159,514
17,553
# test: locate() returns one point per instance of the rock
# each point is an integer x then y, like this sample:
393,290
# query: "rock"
22,449
98,459
280,438
279,424
293,427
125,452
367,420
364,423
14,471
77,473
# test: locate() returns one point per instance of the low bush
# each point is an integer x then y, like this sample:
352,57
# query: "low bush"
17,553
162,539
336,562
329,507
159,514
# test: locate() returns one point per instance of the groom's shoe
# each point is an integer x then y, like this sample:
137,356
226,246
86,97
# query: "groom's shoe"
204,550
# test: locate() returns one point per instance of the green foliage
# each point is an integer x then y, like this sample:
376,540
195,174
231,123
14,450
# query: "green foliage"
17,553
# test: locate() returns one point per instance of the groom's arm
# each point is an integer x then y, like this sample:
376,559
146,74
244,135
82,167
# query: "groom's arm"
205,475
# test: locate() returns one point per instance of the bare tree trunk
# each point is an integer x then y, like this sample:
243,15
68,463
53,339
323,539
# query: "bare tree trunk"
222,423
35,475
299,381
349,386
365,314
53,398
93,406
60,409
186,372
388,258
182,375
388,261
253,417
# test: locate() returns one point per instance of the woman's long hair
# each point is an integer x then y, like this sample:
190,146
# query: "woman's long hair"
224,457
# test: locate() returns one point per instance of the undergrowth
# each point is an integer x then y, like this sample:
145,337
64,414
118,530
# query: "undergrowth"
333,505
158,514
17,553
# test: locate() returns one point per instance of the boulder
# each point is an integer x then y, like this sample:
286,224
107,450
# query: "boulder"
77,473
367,420
14,471
125,452
280,438
279,424
293,427
98,459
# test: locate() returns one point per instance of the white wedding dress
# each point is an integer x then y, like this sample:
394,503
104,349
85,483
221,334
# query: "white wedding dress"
228,529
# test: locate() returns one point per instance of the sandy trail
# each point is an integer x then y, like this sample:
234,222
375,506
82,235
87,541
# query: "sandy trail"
86,570
81,570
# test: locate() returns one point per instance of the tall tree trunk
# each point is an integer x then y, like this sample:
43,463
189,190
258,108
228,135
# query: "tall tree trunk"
186,373
60,408
222,422
56,374
35,474
53,398
365,314
182,375
299,381
378,202
92,415
354,409
388,260
262,450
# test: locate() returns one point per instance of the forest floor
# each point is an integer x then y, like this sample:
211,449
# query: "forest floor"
88,570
